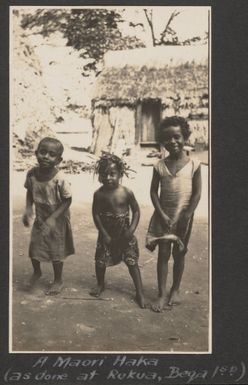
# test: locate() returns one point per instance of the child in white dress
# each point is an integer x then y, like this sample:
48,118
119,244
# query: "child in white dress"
179,179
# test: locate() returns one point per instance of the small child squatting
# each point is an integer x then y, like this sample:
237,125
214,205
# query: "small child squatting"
48,190
116,241
179,179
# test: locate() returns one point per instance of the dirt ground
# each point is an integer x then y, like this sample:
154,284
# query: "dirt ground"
74,321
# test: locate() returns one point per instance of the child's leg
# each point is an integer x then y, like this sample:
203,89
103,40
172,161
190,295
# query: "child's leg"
179,260
100,275
57,283
136,277
178,269
162,272
37,271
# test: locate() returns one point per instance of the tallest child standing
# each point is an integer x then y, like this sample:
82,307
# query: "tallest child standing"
179,179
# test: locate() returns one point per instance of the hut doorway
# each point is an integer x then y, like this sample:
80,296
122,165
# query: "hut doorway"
150,119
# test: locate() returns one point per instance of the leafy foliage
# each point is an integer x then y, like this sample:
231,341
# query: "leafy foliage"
94,31
46,22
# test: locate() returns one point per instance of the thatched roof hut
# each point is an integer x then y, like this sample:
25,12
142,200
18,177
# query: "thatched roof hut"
139,87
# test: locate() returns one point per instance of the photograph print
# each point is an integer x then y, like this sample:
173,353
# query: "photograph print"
110,179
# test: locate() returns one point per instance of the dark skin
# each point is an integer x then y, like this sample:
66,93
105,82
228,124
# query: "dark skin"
112,197
173,140
48,156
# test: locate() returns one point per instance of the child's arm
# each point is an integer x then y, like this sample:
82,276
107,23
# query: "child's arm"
64,191
29,209
155,199
51,220
135,215
195,197
97,219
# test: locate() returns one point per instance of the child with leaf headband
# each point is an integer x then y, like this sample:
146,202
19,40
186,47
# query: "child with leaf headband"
116,241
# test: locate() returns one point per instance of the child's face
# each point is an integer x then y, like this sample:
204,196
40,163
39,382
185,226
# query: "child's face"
172,139
111,177
48,155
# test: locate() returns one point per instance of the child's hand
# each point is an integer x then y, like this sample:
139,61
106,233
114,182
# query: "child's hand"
27,217
48,227
184,219
51,223
185,214
166,222
26,220
128,234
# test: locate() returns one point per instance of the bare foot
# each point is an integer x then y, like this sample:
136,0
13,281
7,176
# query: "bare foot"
97,291
158,305
174,298
34,279
56,288
139,298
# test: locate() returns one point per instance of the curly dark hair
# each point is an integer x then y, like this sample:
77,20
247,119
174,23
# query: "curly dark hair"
106,160
175,121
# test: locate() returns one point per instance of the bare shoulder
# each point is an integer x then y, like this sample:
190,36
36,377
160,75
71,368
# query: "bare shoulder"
196,164
129,193
98,193
158,167
131,200
126,190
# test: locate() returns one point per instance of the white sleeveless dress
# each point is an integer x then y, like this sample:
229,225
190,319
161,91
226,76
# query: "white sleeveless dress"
175,194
